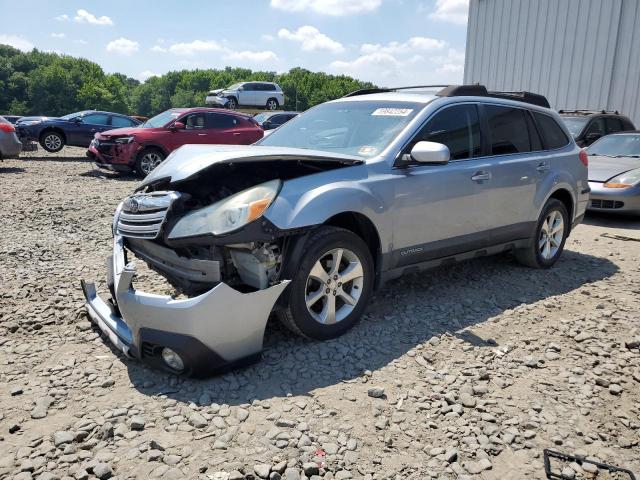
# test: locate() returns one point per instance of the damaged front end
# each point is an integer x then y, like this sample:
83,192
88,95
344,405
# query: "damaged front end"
207,236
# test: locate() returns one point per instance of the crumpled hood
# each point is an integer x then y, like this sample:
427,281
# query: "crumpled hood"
191,159
216,91
602,168
125,131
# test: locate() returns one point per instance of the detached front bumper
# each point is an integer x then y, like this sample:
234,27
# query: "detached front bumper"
216,331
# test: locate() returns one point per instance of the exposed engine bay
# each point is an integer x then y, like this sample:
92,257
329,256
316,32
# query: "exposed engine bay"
248,259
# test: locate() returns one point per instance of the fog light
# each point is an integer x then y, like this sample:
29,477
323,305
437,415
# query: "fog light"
172,359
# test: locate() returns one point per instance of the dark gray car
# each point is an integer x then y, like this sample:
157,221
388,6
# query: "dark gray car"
10,146
313,218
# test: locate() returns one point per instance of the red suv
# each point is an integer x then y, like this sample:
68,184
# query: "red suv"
143,148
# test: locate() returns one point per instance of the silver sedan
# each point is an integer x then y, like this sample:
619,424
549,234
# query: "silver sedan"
614,174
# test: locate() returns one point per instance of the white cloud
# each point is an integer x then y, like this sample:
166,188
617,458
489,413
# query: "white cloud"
123,46
411,45
334,8
63,18
378,65
58,35
146,75
82,16
17,42
454,11
190,49
158,48
253,57
311,39
450,64
80,41
267,38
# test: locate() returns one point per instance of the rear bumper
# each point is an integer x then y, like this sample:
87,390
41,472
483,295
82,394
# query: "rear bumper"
614,200
10,147
220,329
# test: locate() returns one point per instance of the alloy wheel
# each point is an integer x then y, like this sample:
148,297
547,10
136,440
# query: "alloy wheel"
53,142
272,105
149,161
334,286
551,235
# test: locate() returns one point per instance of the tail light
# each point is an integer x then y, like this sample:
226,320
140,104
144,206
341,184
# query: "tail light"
584,158
7,128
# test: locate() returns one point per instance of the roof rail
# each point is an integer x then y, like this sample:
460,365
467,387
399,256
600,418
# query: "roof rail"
466,91
587,111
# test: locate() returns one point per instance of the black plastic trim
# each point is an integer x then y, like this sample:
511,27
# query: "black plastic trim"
200,360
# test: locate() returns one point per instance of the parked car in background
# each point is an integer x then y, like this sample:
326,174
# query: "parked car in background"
614,173
248,94
143,148
271,120
587,126
76,129
12,118
10,146
310,220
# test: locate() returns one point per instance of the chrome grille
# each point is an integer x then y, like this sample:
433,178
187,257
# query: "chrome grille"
143,214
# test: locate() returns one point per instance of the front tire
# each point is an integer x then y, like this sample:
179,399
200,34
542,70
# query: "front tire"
551,234
148,160
331,286
52,142
233,103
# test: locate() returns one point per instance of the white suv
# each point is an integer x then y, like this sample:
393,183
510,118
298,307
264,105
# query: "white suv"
254,94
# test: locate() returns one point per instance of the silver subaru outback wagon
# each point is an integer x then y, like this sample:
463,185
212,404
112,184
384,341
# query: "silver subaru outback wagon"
315,217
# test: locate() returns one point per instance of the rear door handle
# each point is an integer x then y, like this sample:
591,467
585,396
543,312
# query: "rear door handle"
480,176
543,167
202,134
237,133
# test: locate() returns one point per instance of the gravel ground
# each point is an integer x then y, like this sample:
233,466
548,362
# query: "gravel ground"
462,372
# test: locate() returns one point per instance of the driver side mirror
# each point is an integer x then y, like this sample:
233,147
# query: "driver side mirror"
430,152
177,126
77,120
240,89
592,137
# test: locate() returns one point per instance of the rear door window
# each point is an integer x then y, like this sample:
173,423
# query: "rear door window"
508,129
221,121
120,122
596,126
457,127
613,125
552,134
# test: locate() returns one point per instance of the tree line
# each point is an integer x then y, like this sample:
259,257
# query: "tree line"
43,83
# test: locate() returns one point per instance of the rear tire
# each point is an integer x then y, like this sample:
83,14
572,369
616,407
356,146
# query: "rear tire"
331,285
148,160
551,234
52,141
272,104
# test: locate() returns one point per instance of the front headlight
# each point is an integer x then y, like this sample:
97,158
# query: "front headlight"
624,180
228,214
128,139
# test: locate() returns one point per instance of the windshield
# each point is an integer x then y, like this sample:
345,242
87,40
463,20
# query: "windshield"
362,128
72,115
161,119
617,146
261,117
575,124
234,86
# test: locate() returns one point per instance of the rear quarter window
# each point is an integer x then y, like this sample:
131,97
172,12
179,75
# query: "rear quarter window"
552,134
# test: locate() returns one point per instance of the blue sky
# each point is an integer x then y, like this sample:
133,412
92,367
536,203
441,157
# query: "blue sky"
389,42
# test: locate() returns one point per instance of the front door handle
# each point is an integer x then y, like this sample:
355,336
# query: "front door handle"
237,133
202,134
480,176
543,167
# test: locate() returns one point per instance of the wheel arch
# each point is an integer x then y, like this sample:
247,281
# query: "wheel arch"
50,129
564,195
363,227
153,146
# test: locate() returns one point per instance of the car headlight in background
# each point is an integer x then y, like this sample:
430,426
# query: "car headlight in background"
228,214
128,139
28,123
624,180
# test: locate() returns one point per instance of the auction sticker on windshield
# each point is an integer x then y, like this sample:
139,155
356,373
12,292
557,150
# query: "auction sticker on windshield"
392,112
